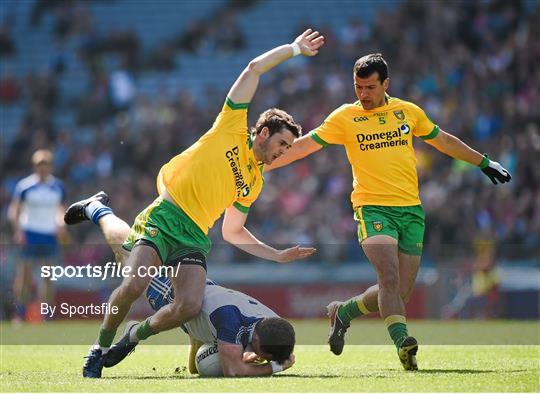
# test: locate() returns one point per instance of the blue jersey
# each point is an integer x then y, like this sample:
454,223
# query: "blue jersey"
226,314
39,204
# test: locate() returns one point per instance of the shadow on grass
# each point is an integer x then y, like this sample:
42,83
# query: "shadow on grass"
381,374
194,377
458,371
132,377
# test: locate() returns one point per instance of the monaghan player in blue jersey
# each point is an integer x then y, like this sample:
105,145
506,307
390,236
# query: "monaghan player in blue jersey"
35,213
252,339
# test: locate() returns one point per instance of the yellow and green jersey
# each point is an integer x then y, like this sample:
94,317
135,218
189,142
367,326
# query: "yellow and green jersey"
218,171
379,147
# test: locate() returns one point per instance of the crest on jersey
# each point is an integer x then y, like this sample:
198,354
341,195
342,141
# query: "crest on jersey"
399,115
377,226
153,231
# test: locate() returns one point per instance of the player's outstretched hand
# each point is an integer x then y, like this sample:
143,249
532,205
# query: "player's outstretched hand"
309,42
496,172
295,253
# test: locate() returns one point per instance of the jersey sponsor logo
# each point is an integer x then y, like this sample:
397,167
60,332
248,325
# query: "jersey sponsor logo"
232,155
383,139
360,119
399,115
404,128
377,226
380,113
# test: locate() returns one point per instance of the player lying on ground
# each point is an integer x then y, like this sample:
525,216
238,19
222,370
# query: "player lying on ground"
377,133
221,172
244,329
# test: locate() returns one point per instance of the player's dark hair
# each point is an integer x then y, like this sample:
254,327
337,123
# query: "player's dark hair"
276,119
369,64
276,336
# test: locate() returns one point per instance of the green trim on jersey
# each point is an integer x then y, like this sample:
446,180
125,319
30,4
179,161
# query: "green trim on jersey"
240,207
431,135
232,105
318,139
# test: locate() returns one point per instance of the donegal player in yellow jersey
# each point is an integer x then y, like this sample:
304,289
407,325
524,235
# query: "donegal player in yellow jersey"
221,172
377,133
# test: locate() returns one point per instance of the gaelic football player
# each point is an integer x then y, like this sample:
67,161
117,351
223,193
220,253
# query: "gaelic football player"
377,132
221,172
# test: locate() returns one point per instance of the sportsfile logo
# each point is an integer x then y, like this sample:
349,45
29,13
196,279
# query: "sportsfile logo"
242,189
385,139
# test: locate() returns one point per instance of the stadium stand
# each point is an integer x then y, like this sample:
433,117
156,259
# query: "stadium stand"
91,89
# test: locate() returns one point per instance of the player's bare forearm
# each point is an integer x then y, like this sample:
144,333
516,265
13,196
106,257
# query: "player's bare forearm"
244,88
247,242
454,147
301,148
234,232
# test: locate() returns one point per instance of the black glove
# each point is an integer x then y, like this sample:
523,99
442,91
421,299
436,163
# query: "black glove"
494,170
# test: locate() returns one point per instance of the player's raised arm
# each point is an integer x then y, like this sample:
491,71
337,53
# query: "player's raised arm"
307,44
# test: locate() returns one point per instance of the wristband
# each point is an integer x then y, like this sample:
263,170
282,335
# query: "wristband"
276,367
485,161
295,49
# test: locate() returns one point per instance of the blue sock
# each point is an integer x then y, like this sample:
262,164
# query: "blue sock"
96,210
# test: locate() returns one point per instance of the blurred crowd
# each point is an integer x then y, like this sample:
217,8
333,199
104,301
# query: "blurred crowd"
472,66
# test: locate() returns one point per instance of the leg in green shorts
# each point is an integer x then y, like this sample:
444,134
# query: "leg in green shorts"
405,224
166,228
396,269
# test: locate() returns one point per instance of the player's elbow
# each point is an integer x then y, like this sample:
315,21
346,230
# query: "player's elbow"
231,371
235,370
254,67
228,234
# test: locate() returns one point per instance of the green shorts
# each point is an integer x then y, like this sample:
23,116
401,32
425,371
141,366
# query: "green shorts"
168,229
405,224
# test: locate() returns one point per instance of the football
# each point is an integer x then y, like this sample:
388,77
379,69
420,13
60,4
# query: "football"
207,360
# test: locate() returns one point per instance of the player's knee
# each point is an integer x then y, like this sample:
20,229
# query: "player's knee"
187,309
132,289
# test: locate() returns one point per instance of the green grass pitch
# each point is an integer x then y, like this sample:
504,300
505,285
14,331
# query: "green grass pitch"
471,357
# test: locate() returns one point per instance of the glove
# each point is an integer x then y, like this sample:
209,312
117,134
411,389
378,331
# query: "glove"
494,170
